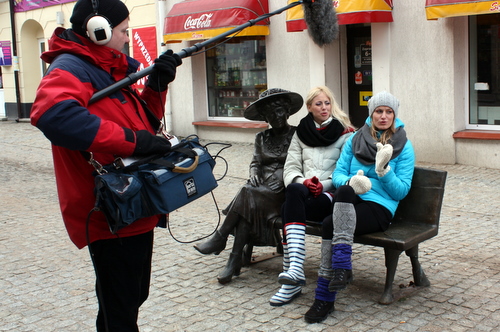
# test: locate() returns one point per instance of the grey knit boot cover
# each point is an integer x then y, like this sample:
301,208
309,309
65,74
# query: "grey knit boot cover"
325,265
344,223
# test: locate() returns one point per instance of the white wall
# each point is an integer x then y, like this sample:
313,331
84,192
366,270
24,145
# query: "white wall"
2,106
413,59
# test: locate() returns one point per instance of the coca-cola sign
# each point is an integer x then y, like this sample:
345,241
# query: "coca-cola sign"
202,22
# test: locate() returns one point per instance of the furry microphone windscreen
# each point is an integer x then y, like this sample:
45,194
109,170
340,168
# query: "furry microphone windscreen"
321,20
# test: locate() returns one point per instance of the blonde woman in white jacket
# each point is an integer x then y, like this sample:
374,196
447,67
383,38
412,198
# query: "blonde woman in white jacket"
311,159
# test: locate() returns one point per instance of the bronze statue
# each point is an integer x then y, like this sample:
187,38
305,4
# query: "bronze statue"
260,199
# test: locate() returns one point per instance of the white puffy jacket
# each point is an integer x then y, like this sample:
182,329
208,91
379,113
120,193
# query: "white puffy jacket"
304,161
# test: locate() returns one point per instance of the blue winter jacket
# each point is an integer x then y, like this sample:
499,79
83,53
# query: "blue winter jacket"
387,190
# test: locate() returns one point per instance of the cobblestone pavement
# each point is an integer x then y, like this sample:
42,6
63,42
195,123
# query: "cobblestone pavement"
47,284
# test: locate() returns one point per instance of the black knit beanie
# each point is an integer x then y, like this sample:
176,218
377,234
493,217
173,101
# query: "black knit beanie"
114,10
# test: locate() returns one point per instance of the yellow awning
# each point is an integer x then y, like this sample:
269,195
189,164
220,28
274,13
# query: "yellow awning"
435,9
348,12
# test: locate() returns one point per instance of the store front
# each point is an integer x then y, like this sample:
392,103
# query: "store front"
236,71
475,94
484,56
427,63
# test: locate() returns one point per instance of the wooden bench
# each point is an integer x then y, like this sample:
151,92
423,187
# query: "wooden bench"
416,220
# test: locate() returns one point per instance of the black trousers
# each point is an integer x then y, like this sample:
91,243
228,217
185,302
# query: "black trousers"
370,216
123,275
300,205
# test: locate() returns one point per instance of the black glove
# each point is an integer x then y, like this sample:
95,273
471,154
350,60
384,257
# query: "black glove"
149,144
165,69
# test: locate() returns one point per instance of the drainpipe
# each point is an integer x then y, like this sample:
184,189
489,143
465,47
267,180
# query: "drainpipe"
163,48
15,61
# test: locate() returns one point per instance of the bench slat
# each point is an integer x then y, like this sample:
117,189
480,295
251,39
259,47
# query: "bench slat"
402,236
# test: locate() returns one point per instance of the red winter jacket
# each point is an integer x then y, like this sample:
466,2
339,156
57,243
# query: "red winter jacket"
78,69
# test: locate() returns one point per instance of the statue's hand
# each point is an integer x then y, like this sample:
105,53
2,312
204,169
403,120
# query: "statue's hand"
276,186
255,180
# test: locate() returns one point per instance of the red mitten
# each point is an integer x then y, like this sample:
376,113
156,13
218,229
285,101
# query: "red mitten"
319,188
308,183
314,186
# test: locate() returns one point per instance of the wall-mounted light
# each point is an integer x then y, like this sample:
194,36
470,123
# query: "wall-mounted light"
60,18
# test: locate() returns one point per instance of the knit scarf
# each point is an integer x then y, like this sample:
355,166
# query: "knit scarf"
312,136
365,148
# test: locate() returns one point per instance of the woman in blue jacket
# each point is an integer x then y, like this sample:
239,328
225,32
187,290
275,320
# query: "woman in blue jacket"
374,172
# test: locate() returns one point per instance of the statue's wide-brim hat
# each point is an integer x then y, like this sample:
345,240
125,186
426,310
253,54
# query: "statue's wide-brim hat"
255,110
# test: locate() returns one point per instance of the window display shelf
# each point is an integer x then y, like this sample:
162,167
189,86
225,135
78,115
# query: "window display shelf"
237,76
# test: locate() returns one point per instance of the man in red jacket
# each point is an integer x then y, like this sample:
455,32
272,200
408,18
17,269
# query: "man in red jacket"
83,60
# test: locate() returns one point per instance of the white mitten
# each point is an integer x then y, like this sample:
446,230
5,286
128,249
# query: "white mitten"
382,158
360,183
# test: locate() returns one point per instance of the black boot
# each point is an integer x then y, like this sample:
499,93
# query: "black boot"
319,311
341,277
214,245
233,268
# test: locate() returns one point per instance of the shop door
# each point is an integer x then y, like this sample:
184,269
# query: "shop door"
359,55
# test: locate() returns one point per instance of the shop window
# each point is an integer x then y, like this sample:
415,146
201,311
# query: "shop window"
484,84
236,75
41,49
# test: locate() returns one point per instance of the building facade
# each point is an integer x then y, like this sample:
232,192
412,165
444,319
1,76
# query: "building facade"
439,57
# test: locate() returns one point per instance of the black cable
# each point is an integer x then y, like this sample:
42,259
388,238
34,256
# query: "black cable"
226,145
203,237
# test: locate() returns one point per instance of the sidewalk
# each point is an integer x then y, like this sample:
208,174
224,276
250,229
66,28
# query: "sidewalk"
47,284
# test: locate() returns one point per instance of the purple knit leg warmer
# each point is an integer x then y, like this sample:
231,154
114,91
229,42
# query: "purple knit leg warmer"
322,292
341,256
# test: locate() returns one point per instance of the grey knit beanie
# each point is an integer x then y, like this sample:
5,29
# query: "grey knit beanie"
114,10
383,98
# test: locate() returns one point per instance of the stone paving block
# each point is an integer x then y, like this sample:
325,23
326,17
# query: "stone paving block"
46,284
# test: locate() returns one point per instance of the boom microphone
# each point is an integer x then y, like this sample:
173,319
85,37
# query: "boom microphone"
321,20
319,15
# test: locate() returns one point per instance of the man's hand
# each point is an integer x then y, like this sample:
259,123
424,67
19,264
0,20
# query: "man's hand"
149,144
165,68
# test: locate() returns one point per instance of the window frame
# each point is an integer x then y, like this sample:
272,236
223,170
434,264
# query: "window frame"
248,99
471,74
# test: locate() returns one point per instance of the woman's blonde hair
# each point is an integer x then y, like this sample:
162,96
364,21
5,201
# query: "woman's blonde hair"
336,111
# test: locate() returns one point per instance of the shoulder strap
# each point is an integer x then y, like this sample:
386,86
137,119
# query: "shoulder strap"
153,119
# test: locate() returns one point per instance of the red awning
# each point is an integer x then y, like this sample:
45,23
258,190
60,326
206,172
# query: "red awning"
204,19
348,12
448,8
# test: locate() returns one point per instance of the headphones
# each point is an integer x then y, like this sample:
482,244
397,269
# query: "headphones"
99,28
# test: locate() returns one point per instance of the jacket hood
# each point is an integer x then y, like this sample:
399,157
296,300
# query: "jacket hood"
66,41
399,123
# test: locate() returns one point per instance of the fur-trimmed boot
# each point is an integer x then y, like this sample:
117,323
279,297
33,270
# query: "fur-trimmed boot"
344,224
287,293
324,300
296,240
